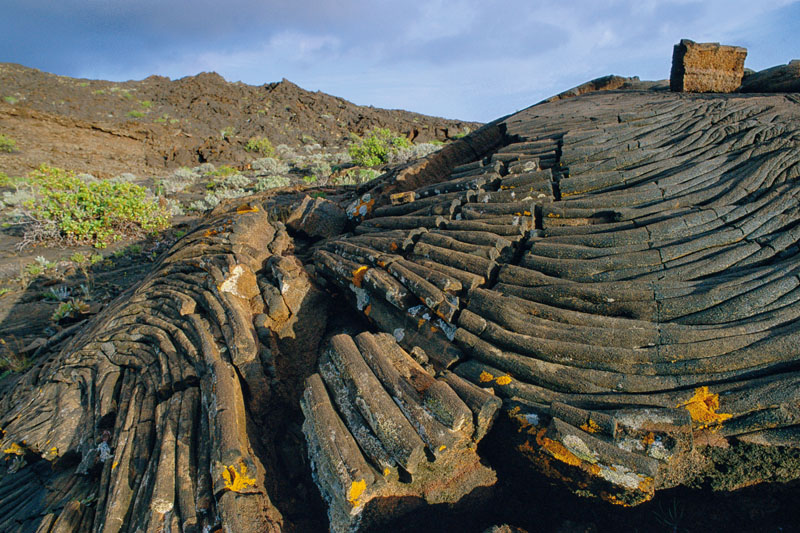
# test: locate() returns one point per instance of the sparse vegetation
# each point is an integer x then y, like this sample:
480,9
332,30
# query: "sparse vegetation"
357,176
135,114
260,145
146,103
375,149
7,144
227,132
11,99
461,134
271,182
67,209
11,358
223,170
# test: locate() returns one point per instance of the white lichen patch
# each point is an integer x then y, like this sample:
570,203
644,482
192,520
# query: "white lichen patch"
231,283
622,476
448,329
579,448
362,297
643,418
399,334
104,452
658,451
631,445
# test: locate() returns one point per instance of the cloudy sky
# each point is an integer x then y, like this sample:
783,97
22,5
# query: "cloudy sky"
467,59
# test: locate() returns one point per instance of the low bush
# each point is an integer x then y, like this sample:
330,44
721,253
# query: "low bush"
68,209
271,182
135,114
375,149
7,144
260,145
357,176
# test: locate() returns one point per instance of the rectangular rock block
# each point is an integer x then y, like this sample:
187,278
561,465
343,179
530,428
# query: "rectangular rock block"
706,67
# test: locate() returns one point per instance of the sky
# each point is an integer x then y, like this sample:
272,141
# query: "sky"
465,59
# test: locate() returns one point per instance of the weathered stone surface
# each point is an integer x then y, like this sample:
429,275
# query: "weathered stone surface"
780,79
603,289
397,413
706,67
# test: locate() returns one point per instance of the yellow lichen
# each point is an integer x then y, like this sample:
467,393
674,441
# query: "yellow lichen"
14,449
358,275
246,208
703,408
356,490
590,426
114,465
387,471
237,481
442,448
560,452
485,377
503,380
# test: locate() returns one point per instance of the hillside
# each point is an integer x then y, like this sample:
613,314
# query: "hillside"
156,124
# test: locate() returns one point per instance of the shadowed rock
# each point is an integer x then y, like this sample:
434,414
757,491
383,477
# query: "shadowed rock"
780,79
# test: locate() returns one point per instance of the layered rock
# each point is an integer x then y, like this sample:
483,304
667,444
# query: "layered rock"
780,79
620,269
706,67
626,280
386,437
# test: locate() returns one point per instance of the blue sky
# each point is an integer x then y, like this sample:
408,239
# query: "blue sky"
467,59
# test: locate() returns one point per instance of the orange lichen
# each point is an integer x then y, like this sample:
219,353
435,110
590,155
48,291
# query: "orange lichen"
210,232
14,449
485,377
246,208
649,439
356,490
590,426
237,481
560,452
503,380
703,408
393,246
368,309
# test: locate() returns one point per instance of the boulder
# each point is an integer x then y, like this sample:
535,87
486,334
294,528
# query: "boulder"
706,67
780,79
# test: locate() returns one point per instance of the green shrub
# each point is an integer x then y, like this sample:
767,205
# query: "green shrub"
223,170
7,144
260,145
374,149
271,182
226,132
67,208
135,114
11,99
357,176
146,103
462,134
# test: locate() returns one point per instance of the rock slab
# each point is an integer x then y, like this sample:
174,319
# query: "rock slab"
706,67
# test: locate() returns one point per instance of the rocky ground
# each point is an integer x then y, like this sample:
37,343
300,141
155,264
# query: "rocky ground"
242,306
186,141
